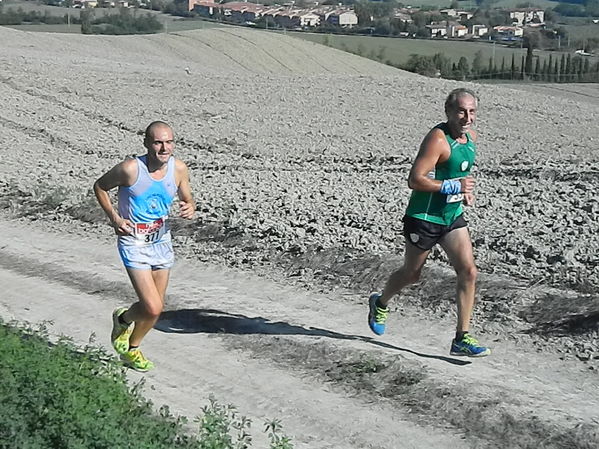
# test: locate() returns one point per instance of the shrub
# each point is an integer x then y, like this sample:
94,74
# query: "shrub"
56,395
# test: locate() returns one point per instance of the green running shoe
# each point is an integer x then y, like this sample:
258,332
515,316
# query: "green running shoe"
468,346
120,334
135,359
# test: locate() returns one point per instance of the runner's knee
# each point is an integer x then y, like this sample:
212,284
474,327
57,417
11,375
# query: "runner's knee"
153,309
412,275
468,274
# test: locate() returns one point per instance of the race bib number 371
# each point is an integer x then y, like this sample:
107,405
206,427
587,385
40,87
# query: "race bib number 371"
150,232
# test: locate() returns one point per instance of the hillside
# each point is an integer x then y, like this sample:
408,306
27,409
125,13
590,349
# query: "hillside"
298,156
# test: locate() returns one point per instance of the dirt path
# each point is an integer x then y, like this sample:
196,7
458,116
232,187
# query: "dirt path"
267,349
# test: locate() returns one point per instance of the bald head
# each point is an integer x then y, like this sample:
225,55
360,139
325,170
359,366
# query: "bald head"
155,127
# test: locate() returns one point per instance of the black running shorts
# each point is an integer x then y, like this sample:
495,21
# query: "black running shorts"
424,234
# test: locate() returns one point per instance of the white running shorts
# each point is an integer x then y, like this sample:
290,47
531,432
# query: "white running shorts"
158,256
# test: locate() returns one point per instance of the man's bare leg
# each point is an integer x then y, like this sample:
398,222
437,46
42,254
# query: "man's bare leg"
150,286
458,246
409,273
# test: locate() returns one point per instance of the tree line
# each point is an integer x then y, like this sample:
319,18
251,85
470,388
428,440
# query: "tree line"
123,22
578,8
558,69
12,16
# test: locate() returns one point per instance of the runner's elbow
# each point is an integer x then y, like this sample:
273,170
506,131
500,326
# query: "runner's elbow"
414,183
98,186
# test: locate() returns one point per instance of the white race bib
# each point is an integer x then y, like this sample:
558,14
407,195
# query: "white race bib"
455,198
146,233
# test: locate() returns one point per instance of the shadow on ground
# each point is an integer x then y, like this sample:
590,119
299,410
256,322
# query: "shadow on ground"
212,321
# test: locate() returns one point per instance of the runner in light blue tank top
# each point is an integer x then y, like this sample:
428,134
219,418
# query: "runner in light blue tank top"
146,204
147,187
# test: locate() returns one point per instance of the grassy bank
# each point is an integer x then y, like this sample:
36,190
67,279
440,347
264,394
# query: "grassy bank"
56,395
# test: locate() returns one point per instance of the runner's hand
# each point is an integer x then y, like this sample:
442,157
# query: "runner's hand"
186,210
467,184
468,199
122,226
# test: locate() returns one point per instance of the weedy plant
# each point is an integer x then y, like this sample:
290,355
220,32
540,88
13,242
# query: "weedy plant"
215,427
277,440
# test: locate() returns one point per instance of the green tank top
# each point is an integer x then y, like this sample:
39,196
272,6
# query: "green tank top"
434,206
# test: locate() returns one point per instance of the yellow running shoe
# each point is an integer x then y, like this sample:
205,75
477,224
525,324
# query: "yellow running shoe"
136,360
120,334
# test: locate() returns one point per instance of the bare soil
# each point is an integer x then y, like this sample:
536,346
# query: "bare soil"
298,156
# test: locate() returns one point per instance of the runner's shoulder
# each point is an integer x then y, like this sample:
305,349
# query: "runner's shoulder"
437,133
125,172
129,163
180,166
436,141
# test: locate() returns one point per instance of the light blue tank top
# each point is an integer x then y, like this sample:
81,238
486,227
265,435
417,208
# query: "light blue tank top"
146,203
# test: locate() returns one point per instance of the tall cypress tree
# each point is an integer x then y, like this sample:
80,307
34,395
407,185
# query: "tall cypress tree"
587,68
513,69
477,63
562,68
528,68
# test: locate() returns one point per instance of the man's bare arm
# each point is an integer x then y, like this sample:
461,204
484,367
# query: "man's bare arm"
433,150
187,205
120,175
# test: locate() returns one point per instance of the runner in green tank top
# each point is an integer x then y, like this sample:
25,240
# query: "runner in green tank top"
435,206
441,183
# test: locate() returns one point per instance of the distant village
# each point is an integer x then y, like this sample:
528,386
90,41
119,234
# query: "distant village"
450,23
288,17
281,16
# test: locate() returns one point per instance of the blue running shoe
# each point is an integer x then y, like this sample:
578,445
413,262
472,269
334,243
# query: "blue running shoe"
377,316
469,347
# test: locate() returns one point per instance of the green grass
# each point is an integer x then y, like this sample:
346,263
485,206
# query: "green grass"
171,26
171,23
29,6
582,31
56,395
397,51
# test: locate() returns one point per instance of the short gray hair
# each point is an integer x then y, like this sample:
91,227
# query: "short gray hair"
451,101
